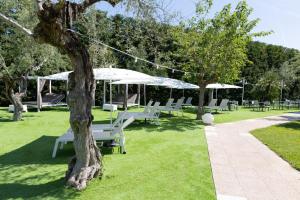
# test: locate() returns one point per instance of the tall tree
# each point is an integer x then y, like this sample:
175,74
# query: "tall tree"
215,48
268,86
290,76
56,19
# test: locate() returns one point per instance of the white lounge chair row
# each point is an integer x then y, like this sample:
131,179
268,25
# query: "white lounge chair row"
104,132
150,113
212,106
171,107
101,132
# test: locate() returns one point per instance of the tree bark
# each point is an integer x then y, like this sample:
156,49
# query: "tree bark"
15,98
201,109
53,29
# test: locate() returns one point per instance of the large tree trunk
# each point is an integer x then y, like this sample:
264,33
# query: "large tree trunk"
201,109
55,22
87,162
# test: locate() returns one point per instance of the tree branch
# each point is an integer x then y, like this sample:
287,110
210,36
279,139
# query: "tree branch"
87,3
40,4
16,24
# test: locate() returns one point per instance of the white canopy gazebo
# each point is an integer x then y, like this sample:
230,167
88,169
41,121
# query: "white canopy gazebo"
101,74
160,81
217,86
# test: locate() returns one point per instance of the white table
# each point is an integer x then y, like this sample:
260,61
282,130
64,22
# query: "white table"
11,108
110,107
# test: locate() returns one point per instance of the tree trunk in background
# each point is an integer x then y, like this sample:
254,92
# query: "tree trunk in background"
15,98
201,109
53,29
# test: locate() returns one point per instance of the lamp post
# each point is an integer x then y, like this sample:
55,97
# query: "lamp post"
281,89
243,93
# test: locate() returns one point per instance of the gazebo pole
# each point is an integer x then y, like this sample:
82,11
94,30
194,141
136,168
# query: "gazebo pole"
126,97
38,95
67,89
94,95
216,93
110,100
171,93
139,95
145,100
183,93
50,86
104,92
281,90
243,93
211,94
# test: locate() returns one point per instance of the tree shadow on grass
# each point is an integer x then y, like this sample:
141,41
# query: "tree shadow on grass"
25,164
23,161
40,152
167,122
291,125
54,189
288,118
36,152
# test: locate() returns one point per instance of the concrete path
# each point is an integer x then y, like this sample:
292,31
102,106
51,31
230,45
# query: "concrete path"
244,168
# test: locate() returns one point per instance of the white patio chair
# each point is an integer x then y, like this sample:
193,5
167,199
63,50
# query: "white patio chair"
168,104
177,108
223,105
212,104
152,114
99,134
188,102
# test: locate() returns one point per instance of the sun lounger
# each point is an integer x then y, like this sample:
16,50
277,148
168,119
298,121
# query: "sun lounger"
168,104
152,114
212,105
188,102
100,133
223,106
177,108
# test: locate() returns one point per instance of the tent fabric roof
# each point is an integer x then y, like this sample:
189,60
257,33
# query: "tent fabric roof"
222,86
160,81
113,74
173,83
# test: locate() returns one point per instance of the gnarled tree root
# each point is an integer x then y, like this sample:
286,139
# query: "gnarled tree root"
78,178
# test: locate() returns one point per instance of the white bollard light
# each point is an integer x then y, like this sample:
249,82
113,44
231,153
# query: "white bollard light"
208,118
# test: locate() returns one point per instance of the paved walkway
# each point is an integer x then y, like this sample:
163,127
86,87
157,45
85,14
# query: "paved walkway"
244,168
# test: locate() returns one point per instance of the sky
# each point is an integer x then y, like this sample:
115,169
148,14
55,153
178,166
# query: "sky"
280,16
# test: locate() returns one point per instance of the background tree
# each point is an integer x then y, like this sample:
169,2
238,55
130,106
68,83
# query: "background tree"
215,48
268,86
20,56
290,75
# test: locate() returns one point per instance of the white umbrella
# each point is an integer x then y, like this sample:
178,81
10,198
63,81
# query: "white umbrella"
108,74
221,86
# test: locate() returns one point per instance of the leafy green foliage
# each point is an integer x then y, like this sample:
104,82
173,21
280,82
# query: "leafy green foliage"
216,47
20,55
268,87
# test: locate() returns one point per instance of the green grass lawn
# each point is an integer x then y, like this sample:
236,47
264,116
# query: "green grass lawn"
246,113
242,114
162,162
283,139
